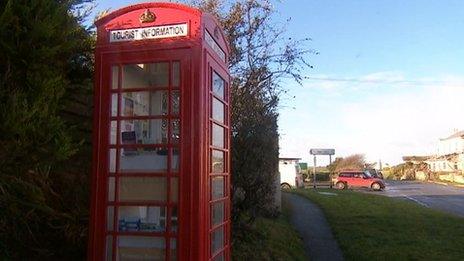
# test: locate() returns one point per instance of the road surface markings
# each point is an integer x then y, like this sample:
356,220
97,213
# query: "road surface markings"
328,193
417,201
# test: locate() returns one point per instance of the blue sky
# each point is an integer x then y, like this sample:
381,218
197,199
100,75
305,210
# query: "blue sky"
380,41
399,71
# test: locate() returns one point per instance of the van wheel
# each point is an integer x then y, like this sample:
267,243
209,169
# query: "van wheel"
340,185
375,186
285,186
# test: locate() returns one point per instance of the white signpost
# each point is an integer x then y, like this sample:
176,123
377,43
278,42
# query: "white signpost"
316,152
322,152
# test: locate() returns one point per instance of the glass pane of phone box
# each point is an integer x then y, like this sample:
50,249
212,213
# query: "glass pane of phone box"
141,248
133,189
141,219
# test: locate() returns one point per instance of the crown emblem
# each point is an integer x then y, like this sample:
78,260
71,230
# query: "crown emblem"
147,16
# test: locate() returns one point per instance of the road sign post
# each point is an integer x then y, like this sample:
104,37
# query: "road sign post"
314,172
316,152
322,152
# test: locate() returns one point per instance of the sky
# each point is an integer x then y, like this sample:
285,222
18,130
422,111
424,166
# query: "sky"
399,71
388,80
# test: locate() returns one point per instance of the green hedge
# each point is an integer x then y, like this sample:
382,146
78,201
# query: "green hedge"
320,176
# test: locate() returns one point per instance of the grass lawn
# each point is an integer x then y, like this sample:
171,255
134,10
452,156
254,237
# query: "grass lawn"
373,227
270,239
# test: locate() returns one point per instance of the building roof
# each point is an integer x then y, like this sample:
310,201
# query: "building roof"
454,157
415,158
289,158
459,134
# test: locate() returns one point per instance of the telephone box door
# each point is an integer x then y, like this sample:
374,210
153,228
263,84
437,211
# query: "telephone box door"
142,153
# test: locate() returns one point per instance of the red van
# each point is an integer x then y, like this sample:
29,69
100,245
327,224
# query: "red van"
351,178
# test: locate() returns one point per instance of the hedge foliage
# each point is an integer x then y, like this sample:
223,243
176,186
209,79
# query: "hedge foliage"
44,60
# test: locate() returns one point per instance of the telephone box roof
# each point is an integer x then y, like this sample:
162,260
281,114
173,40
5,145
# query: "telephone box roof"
130,8
106,19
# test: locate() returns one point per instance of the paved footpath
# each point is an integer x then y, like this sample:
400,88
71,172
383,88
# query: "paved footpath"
309,220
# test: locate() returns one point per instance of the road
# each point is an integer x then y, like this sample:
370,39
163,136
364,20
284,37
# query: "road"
446,198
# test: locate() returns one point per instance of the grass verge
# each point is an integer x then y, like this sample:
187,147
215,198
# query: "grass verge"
269,239
373,227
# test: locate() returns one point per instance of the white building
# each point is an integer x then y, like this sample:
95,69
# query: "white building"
452,144
450,156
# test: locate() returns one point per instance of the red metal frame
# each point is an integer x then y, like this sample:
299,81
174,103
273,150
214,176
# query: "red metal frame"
198,59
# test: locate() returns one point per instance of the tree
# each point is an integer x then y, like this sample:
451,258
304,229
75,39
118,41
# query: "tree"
261,56
355,162
44,60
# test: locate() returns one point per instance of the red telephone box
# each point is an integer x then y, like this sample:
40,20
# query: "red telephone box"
161,157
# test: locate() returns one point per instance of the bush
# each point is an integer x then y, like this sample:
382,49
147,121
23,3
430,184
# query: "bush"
320,177
43,203
355,161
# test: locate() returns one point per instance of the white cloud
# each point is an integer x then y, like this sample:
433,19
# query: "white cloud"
383,123
384,76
